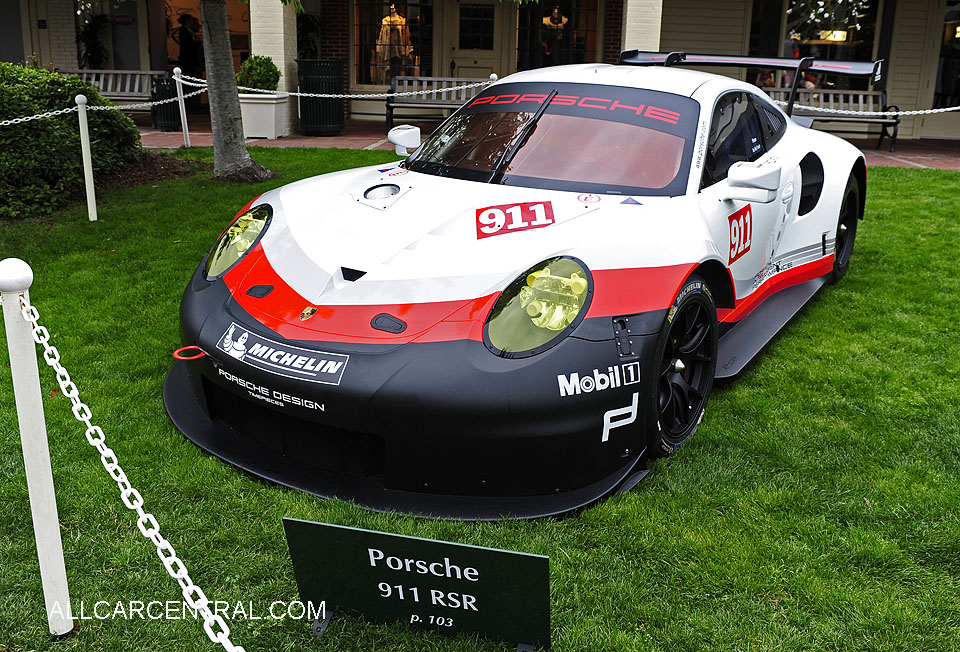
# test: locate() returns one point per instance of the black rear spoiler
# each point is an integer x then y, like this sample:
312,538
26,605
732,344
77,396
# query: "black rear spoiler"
872,69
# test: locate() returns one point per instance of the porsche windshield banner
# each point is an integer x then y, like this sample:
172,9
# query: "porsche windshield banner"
667,112
282,359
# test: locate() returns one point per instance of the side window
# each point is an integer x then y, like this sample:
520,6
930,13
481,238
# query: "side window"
772,123
734,136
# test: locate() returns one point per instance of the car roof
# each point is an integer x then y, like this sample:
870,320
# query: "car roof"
658,78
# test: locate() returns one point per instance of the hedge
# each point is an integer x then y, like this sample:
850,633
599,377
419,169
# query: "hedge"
40,163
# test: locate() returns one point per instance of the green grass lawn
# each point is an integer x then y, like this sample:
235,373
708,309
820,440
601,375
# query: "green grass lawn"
818,507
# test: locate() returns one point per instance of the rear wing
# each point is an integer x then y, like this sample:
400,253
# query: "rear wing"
872,69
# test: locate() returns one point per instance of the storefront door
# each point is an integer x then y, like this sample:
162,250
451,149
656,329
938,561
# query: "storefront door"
474,43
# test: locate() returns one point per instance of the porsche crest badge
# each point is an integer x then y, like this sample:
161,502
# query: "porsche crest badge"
307,313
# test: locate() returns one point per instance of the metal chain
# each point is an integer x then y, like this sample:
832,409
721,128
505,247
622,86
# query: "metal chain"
48,114
100,107
213,624
824,109
201,86
142,105
196,82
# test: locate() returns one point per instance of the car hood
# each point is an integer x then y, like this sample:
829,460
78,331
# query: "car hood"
342,252
422,243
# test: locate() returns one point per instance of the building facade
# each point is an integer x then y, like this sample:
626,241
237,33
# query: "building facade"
378,39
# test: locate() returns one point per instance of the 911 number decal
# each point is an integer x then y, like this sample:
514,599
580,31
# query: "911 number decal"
509,218
741,232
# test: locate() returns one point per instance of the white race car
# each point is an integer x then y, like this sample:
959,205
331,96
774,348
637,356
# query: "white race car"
511,320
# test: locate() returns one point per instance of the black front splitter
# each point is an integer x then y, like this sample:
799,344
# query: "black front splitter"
221,441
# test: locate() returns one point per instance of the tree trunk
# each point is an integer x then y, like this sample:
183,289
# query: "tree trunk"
231,161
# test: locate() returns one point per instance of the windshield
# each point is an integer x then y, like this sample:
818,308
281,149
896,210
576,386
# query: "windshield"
590,138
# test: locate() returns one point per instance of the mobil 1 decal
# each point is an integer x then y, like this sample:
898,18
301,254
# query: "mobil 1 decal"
282,359
741,233
657,110
510,218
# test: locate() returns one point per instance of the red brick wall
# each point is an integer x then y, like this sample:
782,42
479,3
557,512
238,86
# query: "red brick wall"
612,26
334,36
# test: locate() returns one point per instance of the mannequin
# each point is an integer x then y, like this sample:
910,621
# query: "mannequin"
394,49
553,36
555,20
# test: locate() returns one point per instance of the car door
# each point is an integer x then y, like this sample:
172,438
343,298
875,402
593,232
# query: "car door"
743,231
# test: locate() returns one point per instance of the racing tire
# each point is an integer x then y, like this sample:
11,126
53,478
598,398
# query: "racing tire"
846,229
685,358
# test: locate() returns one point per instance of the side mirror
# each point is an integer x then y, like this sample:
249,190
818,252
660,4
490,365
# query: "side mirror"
757,182
404,137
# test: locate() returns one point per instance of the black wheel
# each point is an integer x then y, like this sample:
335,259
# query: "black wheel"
846,228
686,357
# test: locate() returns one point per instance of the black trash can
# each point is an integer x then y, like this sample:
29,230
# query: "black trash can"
166,117
321,116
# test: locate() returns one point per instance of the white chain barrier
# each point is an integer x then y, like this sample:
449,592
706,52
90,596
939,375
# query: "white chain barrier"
48,114
201,83
99,107
213,624
197,82
143,105
201,86
824,109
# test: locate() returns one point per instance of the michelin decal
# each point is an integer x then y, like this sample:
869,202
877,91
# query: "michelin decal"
282,359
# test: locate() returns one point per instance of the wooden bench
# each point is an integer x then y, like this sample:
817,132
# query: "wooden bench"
847,100
120,85
439,97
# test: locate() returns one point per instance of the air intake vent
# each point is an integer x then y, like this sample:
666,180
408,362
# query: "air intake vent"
351,274
259,291
388,323
811,173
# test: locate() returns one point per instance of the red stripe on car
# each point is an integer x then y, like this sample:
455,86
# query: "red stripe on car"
615,292
777,282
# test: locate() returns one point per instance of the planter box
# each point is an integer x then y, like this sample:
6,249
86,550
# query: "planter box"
264,116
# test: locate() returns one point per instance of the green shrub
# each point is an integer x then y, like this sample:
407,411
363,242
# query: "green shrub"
259,72
40,162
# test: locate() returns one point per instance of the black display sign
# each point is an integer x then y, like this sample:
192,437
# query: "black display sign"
445,587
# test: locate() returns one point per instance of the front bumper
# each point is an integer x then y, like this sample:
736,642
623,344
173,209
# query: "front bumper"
443,429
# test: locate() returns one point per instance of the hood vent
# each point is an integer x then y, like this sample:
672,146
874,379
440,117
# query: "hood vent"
388,323
351,274
259,291
383,191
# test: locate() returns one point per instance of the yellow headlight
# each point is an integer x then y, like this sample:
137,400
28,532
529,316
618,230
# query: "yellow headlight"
237,240
537,309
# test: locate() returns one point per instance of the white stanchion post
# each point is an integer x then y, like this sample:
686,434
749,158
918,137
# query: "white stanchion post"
183,107
87,159
16,277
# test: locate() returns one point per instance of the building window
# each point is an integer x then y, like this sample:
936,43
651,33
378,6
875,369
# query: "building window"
476,27
183,22
553,34
391,39
947,91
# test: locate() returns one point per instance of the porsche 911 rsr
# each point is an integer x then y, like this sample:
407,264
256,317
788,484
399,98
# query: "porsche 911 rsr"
510,321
